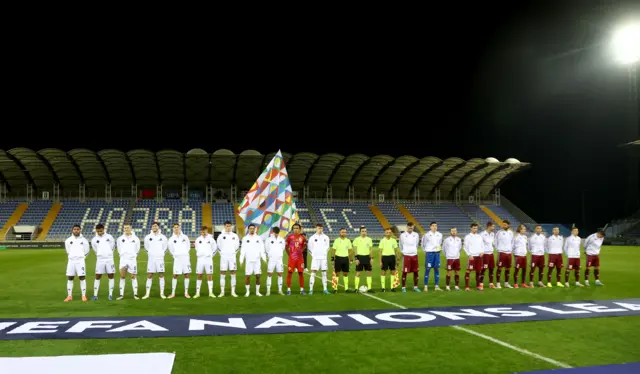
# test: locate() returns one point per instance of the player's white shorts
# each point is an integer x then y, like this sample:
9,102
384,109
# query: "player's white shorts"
181,265
253,268
228,263
204,265
318,264
76,268
130,265
105,267
275,264
155,265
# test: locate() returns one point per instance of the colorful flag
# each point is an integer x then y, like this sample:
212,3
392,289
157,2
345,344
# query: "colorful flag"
269,203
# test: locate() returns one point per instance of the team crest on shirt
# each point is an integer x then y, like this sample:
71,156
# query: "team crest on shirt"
257,241
150,239
123,240
175,241
247,240
200,242
70,242
97,241
272,242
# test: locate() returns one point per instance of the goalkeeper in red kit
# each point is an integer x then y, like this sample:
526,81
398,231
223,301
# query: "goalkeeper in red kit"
296,243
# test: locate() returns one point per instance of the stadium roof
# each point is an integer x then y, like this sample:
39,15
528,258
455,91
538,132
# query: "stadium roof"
222,168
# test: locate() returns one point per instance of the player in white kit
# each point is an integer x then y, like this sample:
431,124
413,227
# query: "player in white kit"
77,250
319,245
228,244
275,251
128,248
206,248
179,247
252,250
156,246
103,244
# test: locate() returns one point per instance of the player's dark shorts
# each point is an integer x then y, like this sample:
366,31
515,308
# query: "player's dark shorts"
574,263
488,261
365,263
433,260
341,264
555,261
537,261
389,262
504,260
453,264
410,264
521,262
593,260
475,264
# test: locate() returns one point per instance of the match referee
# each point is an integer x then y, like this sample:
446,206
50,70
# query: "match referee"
388,249
342,256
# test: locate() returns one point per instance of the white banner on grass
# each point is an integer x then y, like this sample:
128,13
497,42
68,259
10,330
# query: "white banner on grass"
156,363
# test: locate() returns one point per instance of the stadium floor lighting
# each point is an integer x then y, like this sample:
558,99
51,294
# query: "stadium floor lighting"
626,44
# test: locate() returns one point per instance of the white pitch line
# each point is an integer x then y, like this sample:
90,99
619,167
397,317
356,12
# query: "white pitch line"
483,336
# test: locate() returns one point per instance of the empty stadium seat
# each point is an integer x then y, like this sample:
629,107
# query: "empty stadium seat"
87,215
166,213
222,212
392,214
447,215
35,213
6,210
348,215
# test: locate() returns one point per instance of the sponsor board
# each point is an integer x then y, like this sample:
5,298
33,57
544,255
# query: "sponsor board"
30,245
157,363
238,324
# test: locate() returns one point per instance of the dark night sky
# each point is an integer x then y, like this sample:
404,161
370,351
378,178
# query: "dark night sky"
533,83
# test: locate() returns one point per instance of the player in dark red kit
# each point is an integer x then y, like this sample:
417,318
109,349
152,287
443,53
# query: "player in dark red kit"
296,244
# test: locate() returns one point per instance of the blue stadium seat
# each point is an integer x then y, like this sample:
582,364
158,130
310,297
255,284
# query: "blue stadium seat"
392,214
6,210
188,214
35,213
447,215
87,215
350,216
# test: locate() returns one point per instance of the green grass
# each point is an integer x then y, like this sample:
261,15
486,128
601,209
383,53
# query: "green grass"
34,285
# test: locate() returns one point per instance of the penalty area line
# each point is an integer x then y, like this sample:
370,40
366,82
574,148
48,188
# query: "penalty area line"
469,331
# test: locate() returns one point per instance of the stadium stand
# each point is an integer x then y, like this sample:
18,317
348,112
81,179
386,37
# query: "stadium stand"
36,212
222,212
87,215
114,181
166,213
306,221
447,215
476,214
348,215
391,212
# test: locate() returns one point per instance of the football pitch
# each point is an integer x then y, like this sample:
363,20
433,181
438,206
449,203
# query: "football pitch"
34,285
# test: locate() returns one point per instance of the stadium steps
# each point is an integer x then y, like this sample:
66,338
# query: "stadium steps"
239,221
49,219
491,214
132,204
381,218
410,218
14,219
312,214
207,216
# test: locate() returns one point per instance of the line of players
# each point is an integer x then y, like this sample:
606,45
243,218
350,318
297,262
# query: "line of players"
479,249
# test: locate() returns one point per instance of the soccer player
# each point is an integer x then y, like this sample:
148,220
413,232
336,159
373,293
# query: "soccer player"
452,246
504,245
296,243
488,259
537,244
432,245
409,241
77,250
275,251
592,246
155,243
362,247
228,244
179,247
103,245
252,250
305,250
206,248
554,248
520,246
128,248
389,255
473,246
319,244
342,256
572,249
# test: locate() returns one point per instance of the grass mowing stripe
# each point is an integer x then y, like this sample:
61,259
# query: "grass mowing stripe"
468,331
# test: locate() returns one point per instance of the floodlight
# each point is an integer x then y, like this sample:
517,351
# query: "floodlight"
626,44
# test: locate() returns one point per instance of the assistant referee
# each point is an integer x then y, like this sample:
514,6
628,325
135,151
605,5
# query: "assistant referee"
388,260
342,256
